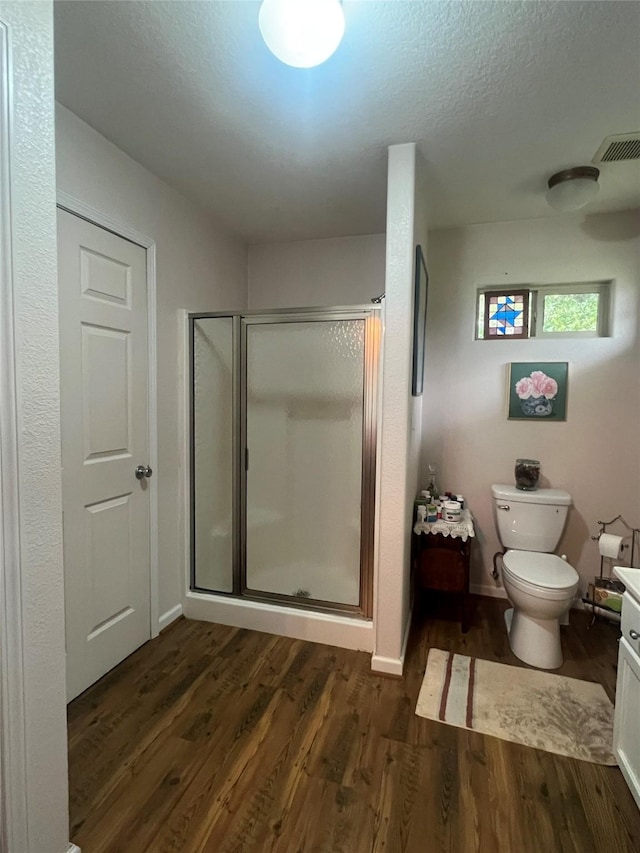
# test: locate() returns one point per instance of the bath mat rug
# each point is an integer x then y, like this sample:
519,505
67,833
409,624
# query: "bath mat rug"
528,706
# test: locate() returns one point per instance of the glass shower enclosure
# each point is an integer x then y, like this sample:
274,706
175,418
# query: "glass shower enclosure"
283,451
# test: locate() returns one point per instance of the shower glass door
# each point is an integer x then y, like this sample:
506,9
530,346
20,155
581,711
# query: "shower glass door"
304,424
283,446
213,448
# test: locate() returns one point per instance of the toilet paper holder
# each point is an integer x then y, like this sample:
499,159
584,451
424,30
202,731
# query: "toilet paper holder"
591,599
632,530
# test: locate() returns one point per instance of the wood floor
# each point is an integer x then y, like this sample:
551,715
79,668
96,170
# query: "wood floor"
229,741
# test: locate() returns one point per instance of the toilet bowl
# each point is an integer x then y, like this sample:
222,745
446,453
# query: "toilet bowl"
541,588
539,585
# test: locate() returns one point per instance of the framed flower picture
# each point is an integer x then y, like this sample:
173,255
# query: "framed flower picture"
420,288
538,390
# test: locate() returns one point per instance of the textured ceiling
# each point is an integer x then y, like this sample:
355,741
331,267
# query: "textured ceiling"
498,96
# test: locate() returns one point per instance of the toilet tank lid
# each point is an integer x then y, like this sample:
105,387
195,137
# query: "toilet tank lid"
554,497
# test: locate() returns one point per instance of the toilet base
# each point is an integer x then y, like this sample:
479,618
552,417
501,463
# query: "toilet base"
534,641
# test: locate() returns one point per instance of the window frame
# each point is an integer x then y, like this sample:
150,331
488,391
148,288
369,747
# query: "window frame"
536,294
601,288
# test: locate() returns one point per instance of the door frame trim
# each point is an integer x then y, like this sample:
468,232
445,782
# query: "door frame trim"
13,735
75,206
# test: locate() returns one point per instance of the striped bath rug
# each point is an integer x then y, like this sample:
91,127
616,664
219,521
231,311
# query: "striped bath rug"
528,706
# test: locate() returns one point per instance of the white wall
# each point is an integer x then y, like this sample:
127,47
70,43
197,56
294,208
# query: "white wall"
199,268
342,271
29,246
421,238
400,442
595,454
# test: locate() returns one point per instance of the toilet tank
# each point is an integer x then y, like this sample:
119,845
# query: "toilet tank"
530,521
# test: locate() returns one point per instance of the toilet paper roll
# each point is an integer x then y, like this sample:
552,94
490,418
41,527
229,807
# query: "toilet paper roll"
609,545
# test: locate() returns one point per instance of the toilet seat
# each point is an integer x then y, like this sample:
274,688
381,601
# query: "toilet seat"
542,575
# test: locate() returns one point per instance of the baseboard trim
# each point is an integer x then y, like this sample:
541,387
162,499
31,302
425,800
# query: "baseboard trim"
332,629
170,616
487,589
381,665
73,848
393,666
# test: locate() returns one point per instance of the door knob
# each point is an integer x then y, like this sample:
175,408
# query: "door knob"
143,471
634,634
504,506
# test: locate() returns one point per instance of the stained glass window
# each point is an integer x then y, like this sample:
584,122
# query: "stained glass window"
581,309
506,314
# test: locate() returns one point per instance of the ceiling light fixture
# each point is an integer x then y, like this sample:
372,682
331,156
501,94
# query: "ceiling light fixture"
302,33
574,188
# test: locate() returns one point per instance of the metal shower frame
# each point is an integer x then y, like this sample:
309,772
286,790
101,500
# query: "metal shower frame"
241,320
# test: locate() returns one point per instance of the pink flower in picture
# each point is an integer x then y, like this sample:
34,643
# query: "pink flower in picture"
543,385
537,379
549,388
536,385
524,387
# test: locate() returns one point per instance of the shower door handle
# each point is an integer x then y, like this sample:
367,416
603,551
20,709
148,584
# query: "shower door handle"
246,459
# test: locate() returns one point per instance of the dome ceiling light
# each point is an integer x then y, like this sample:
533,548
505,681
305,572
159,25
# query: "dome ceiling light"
574,188
302,33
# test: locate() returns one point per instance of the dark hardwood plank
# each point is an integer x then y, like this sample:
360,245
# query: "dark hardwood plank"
218,740
255,756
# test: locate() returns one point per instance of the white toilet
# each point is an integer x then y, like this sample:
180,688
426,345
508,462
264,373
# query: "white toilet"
540,585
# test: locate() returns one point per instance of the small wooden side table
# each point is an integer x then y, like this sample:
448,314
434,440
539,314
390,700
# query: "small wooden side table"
442,559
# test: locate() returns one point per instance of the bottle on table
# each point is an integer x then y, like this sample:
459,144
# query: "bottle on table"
431,481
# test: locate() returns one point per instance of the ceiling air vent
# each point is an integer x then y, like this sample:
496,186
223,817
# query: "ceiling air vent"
617,149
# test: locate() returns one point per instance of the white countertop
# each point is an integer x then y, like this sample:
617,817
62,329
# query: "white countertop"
630,578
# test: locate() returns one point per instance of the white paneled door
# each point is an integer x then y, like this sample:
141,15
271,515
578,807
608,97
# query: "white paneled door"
105,438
